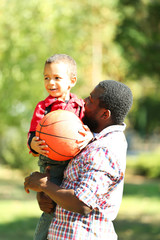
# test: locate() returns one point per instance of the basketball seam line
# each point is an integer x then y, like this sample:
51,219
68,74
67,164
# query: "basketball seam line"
55,135
59,153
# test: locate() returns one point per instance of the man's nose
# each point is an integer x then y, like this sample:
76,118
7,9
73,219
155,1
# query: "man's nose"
85,100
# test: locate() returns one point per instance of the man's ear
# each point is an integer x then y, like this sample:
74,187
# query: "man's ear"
106,114
73,81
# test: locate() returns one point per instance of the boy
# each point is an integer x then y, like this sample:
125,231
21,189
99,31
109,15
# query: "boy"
60,75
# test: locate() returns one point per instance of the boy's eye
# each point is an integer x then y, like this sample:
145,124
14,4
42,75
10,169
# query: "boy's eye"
46,78
57,78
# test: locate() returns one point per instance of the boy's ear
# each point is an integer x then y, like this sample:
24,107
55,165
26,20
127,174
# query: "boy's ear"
73,81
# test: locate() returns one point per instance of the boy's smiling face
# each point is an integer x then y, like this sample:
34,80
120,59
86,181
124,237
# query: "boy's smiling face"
57,80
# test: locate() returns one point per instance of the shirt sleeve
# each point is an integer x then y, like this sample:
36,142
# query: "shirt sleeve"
37,116
99,176
30,136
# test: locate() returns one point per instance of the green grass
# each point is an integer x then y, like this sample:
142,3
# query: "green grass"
138,218
146,164
139,215
19,211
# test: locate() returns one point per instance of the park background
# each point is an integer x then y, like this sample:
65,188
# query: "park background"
113,39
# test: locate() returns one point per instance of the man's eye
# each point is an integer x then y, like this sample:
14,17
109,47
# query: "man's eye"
90,99
46,78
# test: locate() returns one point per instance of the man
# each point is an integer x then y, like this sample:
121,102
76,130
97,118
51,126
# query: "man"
89,197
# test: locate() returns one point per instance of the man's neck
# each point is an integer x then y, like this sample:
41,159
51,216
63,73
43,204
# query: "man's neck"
103,126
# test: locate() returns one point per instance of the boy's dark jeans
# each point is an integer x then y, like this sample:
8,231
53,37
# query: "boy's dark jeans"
56,169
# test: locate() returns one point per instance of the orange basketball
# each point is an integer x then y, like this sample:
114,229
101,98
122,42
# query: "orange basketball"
60,129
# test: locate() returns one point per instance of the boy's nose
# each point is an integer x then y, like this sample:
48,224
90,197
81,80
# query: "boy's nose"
52,81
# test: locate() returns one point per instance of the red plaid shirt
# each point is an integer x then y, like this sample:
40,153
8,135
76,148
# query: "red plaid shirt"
96,175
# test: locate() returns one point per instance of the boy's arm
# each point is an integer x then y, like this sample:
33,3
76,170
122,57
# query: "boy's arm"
63,197
30,137
37,116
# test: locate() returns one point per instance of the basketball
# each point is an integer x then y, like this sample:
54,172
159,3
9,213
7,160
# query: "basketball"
60,130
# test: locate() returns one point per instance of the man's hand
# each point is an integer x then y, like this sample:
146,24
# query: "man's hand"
39,146
35,182
88,136
45,203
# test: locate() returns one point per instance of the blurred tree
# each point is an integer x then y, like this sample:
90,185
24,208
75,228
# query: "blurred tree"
108,39
145,117
139,37
31,31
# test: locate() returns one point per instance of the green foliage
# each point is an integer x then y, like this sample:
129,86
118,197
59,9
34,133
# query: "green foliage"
146,116
14,151
31,31
146,164
108,39
139,37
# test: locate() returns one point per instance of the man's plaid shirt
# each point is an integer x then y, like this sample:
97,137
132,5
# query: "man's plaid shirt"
96,175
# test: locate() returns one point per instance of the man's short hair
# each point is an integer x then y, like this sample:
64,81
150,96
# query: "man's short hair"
117,98
72,66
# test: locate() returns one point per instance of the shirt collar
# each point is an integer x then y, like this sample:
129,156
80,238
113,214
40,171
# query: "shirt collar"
107,130
73,98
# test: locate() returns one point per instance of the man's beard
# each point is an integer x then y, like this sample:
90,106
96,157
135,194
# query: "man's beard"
91,123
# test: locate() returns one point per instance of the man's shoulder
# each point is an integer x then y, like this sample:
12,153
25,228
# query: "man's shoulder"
110,139
113,129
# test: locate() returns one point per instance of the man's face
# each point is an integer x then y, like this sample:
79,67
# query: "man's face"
92,109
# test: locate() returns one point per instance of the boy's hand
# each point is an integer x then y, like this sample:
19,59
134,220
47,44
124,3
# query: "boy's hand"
34,154
87,134
39,146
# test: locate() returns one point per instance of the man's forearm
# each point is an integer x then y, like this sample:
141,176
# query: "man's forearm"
65,198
